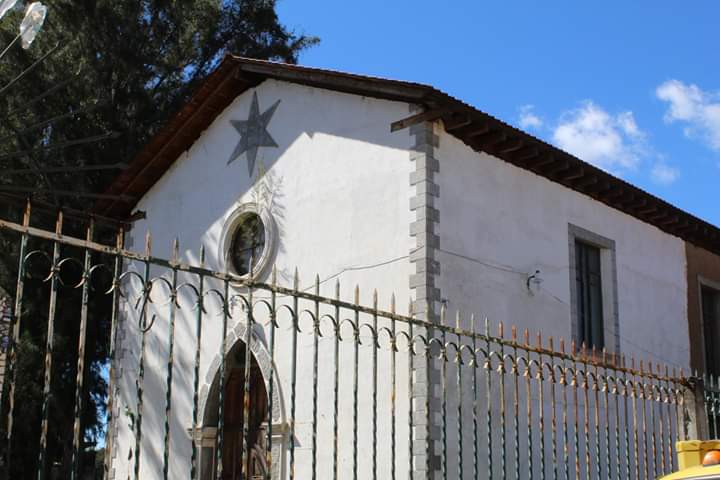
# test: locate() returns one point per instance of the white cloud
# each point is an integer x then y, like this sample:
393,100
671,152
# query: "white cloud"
528,119
611,142
664,174
699,109
626,121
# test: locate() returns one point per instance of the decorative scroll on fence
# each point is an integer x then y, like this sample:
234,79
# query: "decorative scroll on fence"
218,376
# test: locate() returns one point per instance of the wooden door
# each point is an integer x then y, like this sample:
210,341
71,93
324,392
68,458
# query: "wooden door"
233,468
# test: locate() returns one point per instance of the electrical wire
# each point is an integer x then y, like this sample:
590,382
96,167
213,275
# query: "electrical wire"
506,269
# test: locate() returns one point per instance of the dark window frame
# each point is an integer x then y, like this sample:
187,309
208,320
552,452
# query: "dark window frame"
608,278
710,293
588,281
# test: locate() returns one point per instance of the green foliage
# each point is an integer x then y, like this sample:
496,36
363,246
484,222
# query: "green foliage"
131,64
113,66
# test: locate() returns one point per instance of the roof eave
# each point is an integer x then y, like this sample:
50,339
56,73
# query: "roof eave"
477,129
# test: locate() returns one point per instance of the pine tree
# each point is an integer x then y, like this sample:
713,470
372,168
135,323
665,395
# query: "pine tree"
103,76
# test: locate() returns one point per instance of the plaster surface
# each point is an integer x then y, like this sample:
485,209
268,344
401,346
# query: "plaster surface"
501,223
337,189
349,201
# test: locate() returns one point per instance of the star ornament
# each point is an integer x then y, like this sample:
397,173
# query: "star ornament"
253,133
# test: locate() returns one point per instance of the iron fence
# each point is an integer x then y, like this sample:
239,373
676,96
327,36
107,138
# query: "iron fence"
217,376
711,386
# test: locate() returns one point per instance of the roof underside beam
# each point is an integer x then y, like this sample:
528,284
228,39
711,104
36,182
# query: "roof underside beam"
425,116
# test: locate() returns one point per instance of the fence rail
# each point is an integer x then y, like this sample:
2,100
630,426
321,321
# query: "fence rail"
216,376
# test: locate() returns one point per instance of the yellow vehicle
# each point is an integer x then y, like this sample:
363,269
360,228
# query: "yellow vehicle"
697,460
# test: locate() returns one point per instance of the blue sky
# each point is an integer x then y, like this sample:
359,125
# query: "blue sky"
633,87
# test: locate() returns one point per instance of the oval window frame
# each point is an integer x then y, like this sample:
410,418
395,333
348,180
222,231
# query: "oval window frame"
232,223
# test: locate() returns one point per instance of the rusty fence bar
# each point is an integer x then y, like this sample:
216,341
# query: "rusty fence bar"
712,404
230,377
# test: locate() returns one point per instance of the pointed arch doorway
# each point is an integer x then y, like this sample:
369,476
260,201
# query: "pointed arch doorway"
236,465
233,413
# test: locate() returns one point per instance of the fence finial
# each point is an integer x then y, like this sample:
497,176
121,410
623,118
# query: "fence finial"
526,337
375,299
550,343
472,323
357,294
392,303
273,276
539,340
443,314
411,309
501,330
202,256
175,250
90,230
457,319
337,291
26,213
148,243
317,284
59,223
296,280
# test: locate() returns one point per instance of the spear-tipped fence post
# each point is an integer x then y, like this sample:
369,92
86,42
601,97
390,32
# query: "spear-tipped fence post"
80,375
116,294
393,386
374,383
316,335
15,337
356,361
293,370
171,354
200,307
411,407
336,383
49,348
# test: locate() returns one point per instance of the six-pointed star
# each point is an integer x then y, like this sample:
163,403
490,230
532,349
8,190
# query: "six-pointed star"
253,132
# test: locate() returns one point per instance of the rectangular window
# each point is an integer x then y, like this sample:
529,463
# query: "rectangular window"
589,297
711,328
594,315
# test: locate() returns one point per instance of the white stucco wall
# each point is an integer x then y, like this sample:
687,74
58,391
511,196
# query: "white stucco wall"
338,189
339,195
500,223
